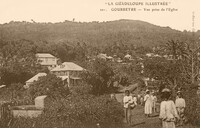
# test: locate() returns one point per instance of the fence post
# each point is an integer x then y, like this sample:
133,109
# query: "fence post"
5,114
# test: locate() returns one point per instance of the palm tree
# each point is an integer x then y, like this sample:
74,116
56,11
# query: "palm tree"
178,52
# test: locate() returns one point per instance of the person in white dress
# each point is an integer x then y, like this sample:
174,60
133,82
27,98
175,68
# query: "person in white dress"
148,104
168,112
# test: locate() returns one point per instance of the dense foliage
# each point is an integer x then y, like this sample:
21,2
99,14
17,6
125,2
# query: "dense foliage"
192,109
93,33
49,85
99,76
18,61
78,110
181,71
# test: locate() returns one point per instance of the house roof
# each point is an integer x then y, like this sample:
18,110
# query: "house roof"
101,55
127,56
45,55
41,97
109,57
75,78
35,78
68,66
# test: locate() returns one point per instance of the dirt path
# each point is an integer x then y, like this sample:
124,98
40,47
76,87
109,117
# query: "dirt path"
140,121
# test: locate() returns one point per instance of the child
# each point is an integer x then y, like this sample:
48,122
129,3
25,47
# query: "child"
112,96
168,113
134,101
154,100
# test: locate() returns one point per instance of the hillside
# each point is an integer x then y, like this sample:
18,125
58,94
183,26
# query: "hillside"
92,33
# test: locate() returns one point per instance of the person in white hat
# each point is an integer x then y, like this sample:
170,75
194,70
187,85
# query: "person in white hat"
168,112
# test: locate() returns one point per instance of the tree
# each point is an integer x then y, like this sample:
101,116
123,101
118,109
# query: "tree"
162,70
191,64
18,61
168,70
49,85
128,73
99,76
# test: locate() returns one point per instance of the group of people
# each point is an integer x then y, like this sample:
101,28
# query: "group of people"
131,101
171,114
150,100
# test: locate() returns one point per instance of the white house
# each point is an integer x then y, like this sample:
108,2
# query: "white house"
102,56
69,71
46,59
119,60
110,58
149,54
34,78
128,56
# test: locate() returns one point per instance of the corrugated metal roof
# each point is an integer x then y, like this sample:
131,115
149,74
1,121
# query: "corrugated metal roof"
44,55
35,78
68,66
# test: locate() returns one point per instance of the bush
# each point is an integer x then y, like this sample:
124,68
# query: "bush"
192,106
78,110
14,92
86,110
48,85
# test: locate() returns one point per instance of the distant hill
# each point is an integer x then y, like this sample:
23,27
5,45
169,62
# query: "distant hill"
93,33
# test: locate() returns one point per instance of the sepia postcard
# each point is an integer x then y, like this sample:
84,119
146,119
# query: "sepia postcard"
99,64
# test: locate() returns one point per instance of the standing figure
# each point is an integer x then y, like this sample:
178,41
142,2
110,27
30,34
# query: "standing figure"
154,100
134,100
180,107
138,97
127,110
168,112
113,96
141,100
148,104
132,105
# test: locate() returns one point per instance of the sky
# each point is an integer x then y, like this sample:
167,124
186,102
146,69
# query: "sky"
103,10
